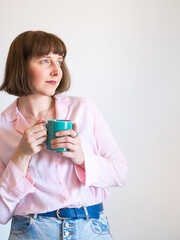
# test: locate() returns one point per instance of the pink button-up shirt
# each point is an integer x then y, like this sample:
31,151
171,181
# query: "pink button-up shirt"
52,181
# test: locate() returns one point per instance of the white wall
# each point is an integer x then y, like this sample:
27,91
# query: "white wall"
125,56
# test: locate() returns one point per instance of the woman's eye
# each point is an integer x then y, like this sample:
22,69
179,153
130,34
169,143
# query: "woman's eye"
44,61
59,62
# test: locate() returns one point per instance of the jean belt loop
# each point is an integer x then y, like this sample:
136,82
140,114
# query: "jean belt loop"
86,213
34,216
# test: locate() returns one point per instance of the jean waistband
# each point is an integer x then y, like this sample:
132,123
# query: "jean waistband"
83,212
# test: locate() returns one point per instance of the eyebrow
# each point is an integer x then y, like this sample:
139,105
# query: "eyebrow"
47,56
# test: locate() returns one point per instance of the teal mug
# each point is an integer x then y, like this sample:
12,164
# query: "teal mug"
53,126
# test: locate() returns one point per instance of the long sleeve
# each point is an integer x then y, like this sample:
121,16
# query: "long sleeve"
107,166
14,186
53,181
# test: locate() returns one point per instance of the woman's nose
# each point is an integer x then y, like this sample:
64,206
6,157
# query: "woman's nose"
55,71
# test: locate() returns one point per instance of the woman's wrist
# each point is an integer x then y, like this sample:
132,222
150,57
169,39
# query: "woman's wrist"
21,161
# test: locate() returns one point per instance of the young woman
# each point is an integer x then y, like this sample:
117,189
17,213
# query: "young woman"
49,194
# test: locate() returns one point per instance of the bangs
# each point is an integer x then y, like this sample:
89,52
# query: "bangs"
41,43
25,46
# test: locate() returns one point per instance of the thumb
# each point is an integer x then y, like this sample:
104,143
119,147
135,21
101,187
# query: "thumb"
41,120
75,127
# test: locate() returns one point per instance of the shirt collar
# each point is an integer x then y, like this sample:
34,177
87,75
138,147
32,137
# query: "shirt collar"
12,113
61,106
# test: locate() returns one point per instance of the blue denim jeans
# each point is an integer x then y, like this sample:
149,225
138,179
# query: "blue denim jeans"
35,227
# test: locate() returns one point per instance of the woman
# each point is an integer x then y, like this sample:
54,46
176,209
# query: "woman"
49,194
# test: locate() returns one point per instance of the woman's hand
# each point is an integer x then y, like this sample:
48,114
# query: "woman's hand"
33,139
30,144
68,139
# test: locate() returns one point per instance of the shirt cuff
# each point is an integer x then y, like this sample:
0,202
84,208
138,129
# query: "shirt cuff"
15,183
90,174
81,173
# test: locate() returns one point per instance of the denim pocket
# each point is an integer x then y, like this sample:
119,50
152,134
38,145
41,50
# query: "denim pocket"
101,225
20,224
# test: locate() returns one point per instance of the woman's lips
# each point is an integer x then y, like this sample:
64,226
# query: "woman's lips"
51,82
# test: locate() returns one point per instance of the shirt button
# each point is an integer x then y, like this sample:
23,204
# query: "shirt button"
66,233
66,224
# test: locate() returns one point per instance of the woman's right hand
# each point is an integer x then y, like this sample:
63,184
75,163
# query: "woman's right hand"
33,139
31,143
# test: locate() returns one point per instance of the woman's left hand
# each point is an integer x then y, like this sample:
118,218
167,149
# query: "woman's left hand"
69,139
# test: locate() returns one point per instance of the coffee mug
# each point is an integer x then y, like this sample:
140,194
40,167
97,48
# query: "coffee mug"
56,125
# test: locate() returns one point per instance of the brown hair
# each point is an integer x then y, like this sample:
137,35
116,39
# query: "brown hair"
25,46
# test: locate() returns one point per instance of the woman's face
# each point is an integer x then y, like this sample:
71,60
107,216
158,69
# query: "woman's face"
45,73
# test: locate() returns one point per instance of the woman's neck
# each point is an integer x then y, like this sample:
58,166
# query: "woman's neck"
35,107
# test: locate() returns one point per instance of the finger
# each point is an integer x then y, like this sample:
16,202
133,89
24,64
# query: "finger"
39,134
37,128
69,132
32,135
65,139
41,120
39,125
63,145
67,154
38,148
75,127
41,140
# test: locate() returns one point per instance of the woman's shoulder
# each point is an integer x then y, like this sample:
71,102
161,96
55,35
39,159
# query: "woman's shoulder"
74,100
10,113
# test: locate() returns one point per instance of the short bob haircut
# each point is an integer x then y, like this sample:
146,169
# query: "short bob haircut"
24,47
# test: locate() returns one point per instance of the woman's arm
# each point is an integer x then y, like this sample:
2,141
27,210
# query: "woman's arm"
15,183
14,186
105,167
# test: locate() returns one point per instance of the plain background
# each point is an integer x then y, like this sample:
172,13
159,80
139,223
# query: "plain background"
125,56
